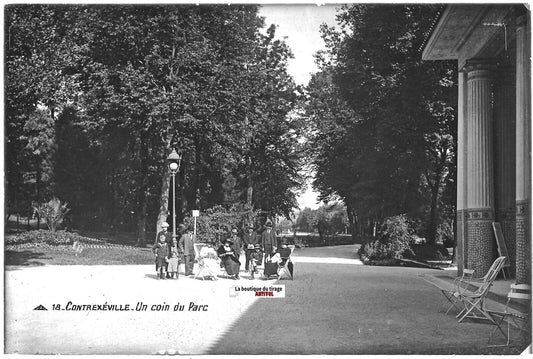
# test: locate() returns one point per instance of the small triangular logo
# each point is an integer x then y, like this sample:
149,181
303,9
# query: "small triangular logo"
40,307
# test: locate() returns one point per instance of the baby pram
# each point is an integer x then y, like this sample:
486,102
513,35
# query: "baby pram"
271,266
256,257
285,265
280,264
208,262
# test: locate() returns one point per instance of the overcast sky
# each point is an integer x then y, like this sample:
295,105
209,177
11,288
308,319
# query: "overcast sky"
300,25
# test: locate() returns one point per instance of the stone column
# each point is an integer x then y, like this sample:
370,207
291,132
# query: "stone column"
479,167
504,157
461,172
523,148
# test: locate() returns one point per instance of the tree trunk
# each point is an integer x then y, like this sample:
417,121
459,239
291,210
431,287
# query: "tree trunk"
433,212
165,189
352,221
181,200
197,168
115,204
250,183
141,227
141,194
38,188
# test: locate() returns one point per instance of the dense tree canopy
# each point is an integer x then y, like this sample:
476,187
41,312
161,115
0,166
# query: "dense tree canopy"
123,85
383,119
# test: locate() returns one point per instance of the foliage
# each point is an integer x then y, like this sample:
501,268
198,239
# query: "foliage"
435,253
47,237
377,251
53,212
327,219
392,242
214,224
382,119
396,229
103,93
445,235
43,254
313,240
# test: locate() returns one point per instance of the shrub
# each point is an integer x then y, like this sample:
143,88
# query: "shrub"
53,212
214,224
427,252
42,236
445,235
393,241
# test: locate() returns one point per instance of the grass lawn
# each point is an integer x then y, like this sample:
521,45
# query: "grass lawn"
64,255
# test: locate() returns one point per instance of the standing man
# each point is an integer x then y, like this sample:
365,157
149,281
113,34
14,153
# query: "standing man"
250,239
187,241
268,240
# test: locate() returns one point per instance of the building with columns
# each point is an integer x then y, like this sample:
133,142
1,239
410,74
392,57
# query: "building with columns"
491,43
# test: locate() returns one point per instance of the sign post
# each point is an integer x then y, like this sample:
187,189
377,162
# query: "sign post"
195,214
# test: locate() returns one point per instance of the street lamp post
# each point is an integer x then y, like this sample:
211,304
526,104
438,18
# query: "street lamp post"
174,161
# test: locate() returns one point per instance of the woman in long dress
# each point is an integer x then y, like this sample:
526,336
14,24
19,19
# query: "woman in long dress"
229,259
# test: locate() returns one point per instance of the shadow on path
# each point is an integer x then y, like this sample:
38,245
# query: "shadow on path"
348,251
23,258
337,308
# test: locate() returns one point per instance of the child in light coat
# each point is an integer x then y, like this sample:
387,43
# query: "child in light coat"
173,259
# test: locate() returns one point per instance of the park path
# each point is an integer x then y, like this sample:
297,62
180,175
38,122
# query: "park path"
342,307
335,305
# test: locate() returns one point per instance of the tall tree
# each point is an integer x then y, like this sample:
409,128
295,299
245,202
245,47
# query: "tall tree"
129,83
400,114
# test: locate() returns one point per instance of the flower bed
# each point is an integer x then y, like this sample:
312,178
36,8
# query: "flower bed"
45,238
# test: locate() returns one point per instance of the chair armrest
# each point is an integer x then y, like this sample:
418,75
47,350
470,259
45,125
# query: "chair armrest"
461,283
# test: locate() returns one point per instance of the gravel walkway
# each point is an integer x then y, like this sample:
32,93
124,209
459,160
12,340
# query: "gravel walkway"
334,305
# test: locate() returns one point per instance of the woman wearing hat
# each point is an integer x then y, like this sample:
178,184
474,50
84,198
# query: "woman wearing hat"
237,242
229,261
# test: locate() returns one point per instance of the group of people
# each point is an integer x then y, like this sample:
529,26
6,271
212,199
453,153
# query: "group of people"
169,252
257,246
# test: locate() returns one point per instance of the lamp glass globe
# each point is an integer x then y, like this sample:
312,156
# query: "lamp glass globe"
173,166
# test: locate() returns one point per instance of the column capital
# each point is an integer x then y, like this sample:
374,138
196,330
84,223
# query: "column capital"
521,21
483,66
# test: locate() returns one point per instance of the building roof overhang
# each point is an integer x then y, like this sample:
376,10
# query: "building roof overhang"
468,31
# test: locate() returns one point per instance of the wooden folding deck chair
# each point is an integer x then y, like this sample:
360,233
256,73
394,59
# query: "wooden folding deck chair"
502,249
517,313
473,302
468,275
466,282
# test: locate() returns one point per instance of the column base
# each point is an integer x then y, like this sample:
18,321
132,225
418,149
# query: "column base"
460,241
480,247
523,243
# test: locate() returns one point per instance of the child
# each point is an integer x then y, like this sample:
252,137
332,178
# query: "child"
161,252
173,259
256,258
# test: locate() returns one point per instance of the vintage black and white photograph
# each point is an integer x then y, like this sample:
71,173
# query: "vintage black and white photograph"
267,178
